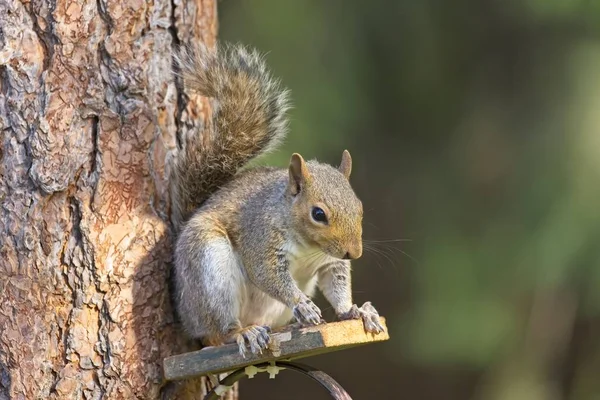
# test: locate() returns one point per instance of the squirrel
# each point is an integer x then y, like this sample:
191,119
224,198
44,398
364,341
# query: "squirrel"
253,244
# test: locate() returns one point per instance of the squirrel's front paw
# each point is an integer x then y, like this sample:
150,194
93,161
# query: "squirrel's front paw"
254,337
352,313
307,313
367,313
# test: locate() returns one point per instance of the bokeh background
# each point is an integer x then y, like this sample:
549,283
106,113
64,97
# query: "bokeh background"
474,128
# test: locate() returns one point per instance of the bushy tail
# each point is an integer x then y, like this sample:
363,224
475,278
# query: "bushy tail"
248,120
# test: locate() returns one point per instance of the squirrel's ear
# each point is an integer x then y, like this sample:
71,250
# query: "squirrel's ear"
299,174
346,164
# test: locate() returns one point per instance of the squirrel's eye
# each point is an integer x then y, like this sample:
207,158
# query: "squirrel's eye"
319,215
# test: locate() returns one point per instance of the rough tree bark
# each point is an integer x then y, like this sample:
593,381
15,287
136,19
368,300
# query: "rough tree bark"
89,116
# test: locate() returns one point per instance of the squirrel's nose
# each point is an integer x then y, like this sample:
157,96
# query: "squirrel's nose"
354,250
353,254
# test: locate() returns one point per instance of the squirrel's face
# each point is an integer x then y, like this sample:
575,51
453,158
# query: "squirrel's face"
325,209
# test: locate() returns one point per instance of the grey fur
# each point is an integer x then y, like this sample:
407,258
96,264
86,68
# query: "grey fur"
250,256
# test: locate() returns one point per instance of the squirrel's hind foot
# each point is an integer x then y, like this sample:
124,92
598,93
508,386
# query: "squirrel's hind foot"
256,338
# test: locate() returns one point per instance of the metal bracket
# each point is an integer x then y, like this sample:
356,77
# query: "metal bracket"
336,391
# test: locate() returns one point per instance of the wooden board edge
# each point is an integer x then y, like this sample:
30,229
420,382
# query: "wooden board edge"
330,337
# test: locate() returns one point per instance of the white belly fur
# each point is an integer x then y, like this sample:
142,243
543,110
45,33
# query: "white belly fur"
261,309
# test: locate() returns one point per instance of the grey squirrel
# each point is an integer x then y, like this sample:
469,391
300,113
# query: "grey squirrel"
253,244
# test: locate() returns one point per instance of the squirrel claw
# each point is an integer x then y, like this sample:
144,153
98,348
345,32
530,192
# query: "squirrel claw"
307,313
370,318
352,313
254,337
367,313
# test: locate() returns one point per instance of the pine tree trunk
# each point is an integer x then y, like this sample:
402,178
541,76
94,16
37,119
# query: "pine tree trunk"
89,115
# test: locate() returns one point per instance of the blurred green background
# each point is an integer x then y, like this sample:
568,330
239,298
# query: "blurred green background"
474,128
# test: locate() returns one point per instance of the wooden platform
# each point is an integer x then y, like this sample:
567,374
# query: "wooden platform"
288,345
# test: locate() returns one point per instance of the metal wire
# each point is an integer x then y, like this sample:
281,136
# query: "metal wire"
335,389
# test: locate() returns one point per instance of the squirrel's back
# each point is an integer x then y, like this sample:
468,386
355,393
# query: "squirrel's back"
248,119
257,184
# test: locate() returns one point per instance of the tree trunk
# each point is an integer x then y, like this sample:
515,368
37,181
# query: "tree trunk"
89,116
